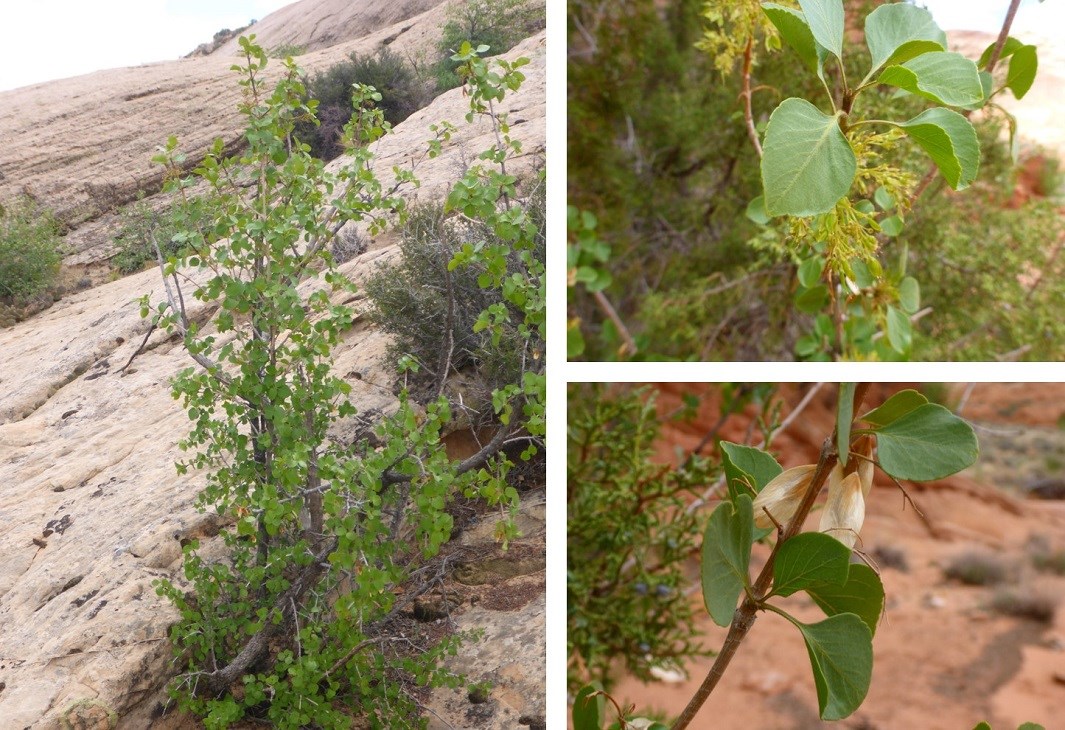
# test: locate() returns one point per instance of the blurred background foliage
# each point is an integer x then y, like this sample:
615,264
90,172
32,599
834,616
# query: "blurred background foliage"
659,155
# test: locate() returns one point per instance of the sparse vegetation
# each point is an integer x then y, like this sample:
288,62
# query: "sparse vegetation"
31,250
411,297
134,246
977,569
288,50
890,556
1027,604
402,93
497,24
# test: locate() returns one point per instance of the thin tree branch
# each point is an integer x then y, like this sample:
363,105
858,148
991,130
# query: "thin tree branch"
748,116
746,614
1003,34
629,347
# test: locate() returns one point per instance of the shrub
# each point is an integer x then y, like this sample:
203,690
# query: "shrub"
629,526
31,250
347,244
498,24
402,93
301,623
977,569
139,222
410,297
1025,604
287,50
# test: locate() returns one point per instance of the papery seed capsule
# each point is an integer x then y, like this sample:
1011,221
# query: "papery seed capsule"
782,495
864,447
845,509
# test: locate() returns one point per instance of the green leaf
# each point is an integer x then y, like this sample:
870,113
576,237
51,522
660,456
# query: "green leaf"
810,271
882,196
756,211
807,163
747,465
909,295
812,301
862,594
844,416
574,339
1008,49
899,330
726,557
895,407
825,18
950,140
891,226
863,277
942,76
1031,726
982,726
796,33
1023,66
841,656
808,559
588,711
926,443
899,32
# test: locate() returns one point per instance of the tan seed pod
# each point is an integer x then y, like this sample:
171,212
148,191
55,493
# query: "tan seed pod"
782,495
864,447
845,509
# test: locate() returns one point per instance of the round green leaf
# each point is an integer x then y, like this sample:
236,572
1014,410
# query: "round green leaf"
796,33
807,163
891,226
1023,65
942,76
899,330
1008,48
810,271
756,211
927,443
588,711
909,295
812,301
898,32
862,594
726,554
748,464
808,559
882,196
894,407
841,656
950,140
825,18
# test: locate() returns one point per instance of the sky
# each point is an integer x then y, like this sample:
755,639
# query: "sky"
41,40
1045,18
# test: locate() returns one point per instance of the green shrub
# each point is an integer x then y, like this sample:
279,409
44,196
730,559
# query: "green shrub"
287,50
1026,604
498,24
133,241
410,297
629,538
31,250
977,569
402,93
